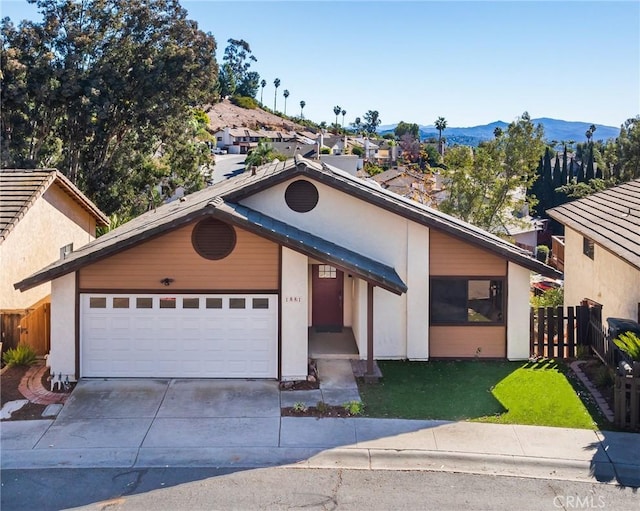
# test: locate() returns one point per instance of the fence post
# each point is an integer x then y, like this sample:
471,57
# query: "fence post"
540,332
550,333
571,333
560,330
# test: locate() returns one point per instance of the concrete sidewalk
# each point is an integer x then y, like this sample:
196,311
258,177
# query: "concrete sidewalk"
357,443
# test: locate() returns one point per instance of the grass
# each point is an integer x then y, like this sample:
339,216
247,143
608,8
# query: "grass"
499,392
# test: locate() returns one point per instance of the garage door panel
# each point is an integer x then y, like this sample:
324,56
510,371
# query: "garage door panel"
202,337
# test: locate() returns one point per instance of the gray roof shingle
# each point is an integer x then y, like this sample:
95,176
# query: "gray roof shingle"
611,218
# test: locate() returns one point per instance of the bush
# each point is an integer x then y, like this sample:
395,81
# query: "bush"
354,407
630,344
357,150
325,150
23,355
549,298
245,102
542,253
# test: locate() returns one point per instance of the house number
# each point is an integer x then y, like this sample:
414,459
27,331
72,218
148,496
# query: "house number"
293,299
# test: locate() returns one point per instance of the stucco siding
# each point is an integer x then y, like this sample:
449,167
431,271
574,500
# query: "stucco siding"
252,265
52,222
450,256
62,357
294,330
605,279
518,312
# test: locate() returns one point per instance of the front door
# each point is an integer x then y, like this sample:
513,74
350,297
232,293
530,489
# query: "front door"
327,290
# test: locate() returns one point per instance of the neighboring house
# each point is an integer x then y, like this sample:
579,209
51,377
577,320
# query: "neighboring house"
237,140
230,281
387,153
291,149
602,250
413,185
43,217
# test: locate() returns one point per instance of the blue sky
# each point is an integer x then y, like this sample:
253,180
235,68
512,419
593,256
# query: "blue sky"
470,62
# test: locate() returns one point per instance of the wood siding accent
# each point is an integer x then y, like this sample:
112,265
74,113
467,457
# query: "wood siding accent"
253,264
452,257
464,341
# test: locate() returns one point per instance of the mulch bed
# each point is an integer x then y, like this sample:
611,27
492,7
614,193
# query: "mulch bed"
593,369
312,411
9,382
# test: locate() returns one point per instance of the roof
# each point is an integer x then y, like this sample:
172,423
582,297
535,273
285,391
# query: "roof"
20,188
222,199
611,218
290,149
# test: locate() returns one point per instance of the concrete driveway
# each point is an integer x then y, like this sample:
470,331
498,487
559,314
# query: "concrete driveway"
137,413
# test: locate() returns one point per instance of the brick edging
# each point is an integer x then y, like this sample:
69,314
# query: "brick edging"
31,387
597,396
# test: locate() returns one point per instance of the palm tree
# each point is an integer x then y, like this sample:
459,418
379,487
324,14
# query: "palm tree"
276,82
497,132
302,105
441,125
337,110
286,95
261,154
263,84
344,112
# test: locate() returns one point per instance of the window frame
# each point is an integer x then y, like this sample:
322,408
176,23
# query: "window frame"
467,279
588,248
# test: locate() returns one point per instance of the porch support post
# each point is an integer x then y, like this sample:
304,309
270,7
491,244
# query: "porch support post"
370,329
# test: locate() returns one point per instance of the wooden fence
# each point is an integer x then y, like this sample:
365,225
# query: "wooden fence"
35,329
556,335
10,329
627,399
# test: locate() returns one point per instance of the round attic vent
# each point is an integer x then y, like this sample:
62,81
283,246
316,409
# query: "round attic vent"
213,239
301,196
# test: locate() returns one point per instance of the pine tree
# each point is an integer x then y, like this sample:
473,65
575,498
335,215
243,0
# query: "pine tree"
564,176
580,177
556,180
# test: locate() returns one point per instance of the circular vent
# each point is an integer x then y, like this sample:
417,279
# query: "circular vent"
301,196
213,239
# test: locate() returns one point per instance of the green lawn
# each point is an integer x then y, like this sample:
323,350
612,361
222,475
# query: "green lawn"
500,392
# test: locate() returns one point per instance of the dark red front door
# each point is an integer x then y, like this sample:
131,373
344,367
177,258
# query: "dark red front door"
327,287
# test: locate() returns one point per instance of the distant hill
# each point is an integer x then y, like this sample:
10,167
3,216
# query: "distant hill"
554,129
226,114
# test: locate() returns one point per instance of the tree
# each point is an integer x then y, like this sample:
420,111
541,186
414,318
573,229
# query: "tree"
336,110
441,125
276,84
344,112
627,152
286,95
410,148
482,185
589,173
237,61
263,84
497,132
371,122
261,154
357,125
403,128
302,105
97,94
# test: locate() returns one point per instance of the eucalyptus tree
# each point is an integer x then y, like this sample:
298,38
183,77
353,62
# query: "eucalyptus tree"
371,122
93,91
302,105
286,95
276,84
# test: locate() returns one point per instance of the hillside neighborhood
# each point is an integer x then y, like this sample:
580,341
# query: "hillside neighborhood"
199,287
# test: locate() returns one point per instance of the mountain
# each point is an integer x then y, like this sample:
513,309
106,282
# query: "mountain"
554,129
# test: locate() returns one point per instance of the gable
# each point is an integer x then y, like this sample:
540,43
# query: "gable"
453,257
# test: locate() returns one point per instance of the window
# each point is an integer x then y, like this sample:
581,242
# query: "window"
260,303
120,303
144,303
167,303
97,302
237,303
214,303
191,303
458,301
587,247
326,272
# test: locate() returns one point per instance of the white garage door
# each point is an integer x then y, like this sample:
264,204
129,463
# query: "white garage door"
179,336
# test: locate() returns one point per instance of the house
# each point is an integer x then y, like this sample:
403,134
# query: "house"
237,140
232,281
602,250
43,217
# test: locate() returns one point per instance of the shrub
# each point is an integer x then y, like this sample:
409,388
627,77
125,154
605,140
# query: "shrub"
325,150
354,407
299,407
549,298
245,102
322,407
357,150
23,355
542,253
630,344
